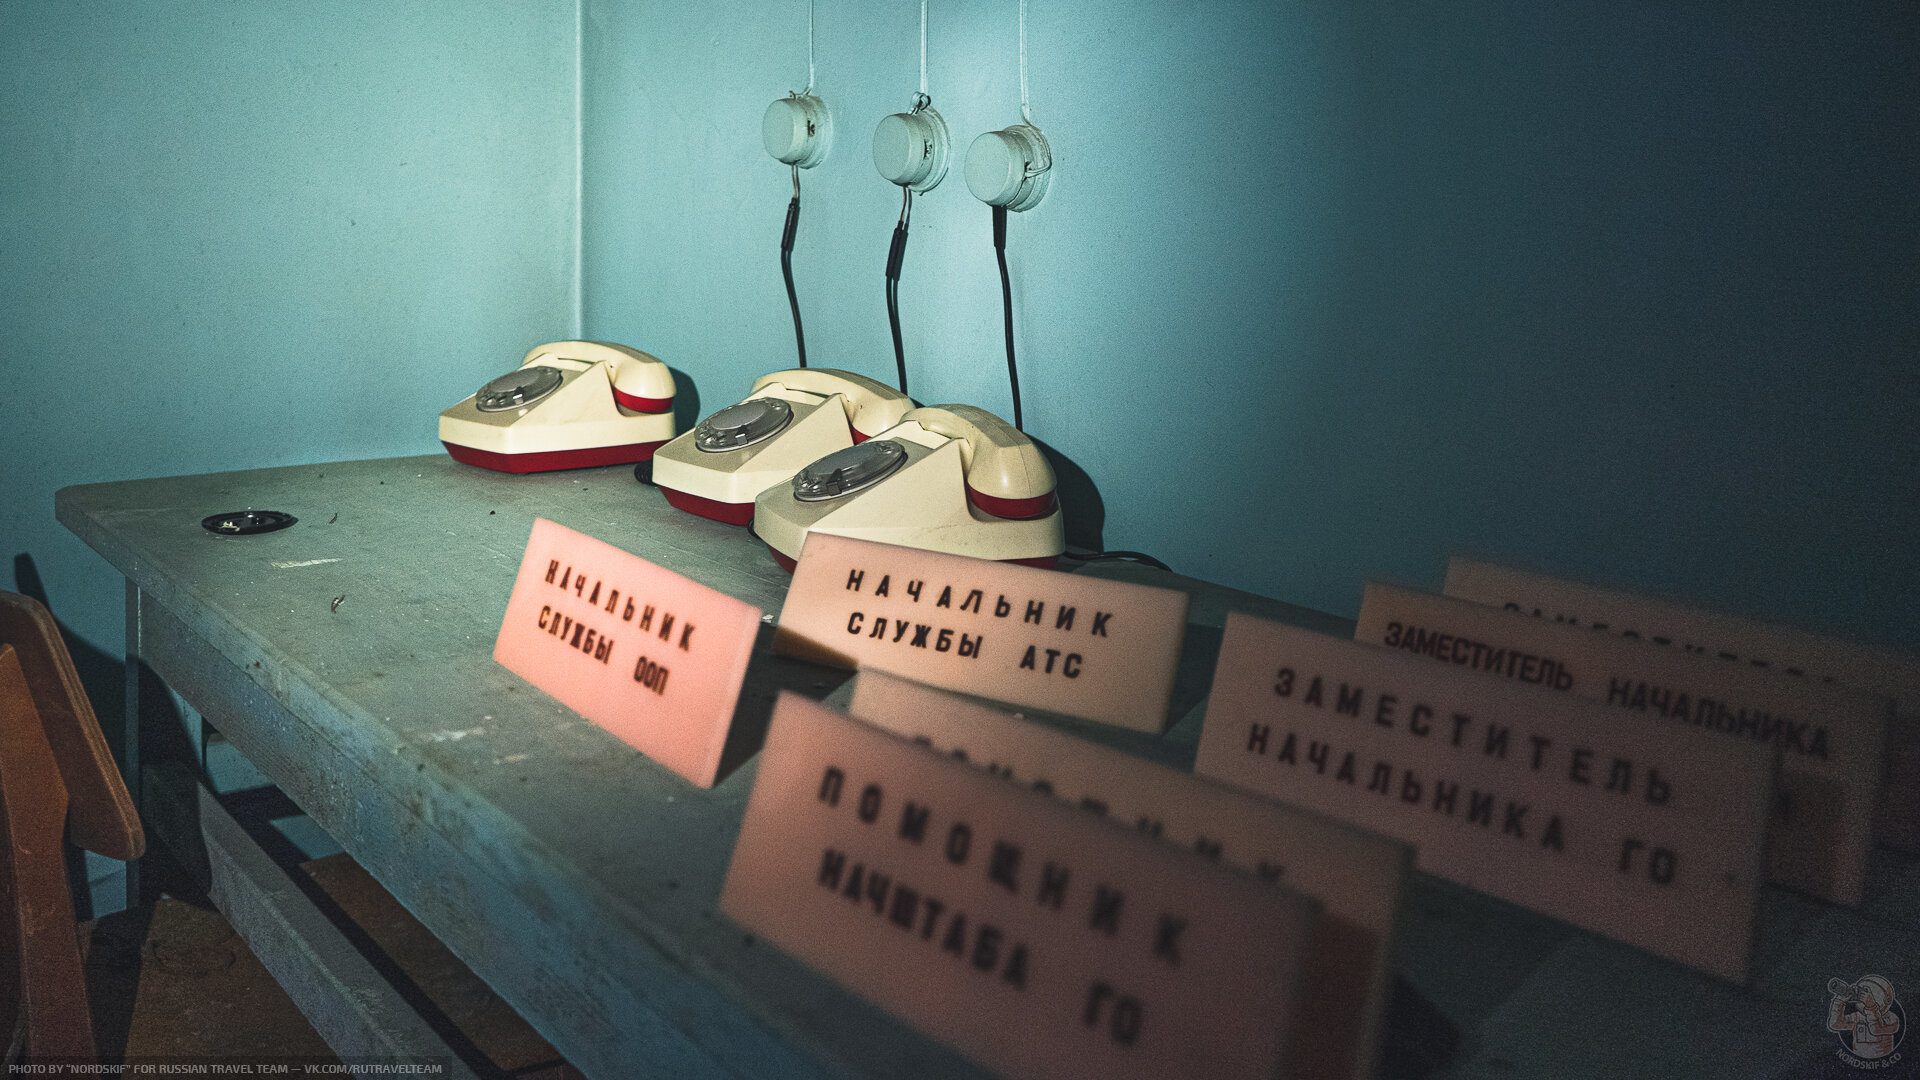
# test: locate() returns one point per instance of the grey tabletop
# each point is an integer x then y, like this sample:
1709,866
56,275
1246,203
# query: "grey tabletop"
581,879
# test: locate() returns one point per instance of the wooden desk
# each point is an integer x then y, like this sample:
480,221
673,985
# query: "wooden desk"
580,879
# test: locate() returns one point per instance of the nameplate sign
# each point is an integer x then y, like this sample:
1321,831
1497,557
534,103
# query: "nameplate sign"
1357,876
1739,641
1829,738
1036,938
654,658
1096,649
1616,823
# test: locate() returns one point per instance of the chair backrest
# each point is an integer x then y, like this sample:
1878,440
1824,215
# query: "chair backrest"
57,781
102,816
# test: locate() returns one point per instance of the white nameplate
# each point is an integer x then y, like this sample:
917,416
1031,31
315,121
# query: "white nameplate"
1096,649
1829,738
1038,939
1776,648
651,656
1620,824
1356,875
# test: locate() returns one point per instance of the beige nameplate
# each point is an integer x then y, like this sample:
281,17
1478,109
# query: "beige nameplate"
1740,641
651,656
1036,938
1083,646
1620,824
1356,875
1829,738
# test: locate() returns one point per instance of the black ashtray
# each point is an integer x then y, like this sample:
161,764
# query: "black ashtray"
247,522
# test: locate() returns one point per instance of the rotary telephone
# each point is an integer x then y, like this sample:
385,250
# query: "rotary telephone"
569,405
950,478
790,419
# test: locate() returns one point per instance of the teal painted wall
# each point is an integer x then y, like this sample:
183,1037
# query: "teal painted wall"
236,234
1325,291
1623,291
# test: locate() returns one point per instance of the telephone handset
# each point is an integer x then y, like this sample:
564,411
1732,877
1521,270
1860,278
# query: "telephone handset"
569,405
789,419
950,478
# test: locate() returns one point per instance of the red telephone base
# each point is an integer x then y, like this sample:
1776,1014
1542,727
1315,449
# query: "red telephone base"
1045,562
713,509
550,460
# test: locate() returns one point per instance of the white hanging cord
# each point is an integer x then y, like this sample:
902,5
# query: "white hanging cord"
1026,117
809,88
923,48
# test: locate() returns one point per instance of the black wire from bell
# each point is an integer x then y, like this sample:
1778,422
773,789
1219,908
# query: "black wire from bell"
1130,556
1006,297
895,255
786,264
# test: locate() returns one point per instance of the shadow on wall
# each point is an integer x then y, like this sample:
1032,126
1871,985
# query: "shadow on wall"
1080,501
686,401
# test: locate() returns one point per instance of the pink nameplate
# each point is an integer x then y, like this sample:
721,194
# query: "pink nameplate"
1830,738
1040,940
1622,824
1738,641
1356,875
1083,646
651,656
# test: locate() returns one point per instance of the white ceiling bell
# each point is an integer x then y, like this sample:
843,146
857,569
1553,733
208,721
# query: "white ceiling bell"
798,130
1010,167
911,148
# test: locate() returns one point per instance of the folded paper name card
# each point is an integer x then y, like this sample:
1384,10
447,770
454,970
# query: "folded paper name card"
1739,641
1038,939
1617,823
1356,875
649,655
1829,738
1096,649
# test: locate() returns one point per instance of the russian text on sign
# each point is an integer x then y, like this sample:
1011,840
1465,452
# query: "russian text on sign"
1616,823
1830,738
1086,647
1356,875
1033,937
1735,641
649,655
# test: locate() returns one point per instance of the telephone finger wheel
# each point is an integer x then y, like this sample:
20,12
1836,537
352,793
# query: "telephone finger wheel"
844,472
518,389
749,422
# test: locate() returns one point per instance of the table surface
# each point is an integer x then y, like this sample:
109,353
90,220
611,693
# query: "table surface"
581,879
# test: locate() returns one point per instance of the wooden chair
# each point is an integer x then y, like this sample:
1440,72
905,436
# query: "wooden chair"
59,784
57,780
171,980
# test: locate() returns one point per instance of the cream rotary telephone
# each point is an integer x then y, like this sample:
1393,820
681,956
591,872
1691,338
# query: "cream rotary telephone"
950,478
790,419
570,405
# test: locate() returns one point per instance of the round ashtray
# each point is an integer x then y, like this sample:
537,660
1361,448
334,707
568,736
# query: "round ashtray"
247,522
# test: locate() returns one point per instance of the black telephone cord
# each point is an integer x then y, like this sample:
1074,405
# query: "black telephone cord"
786,264
895,255
1006,297
1129,556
